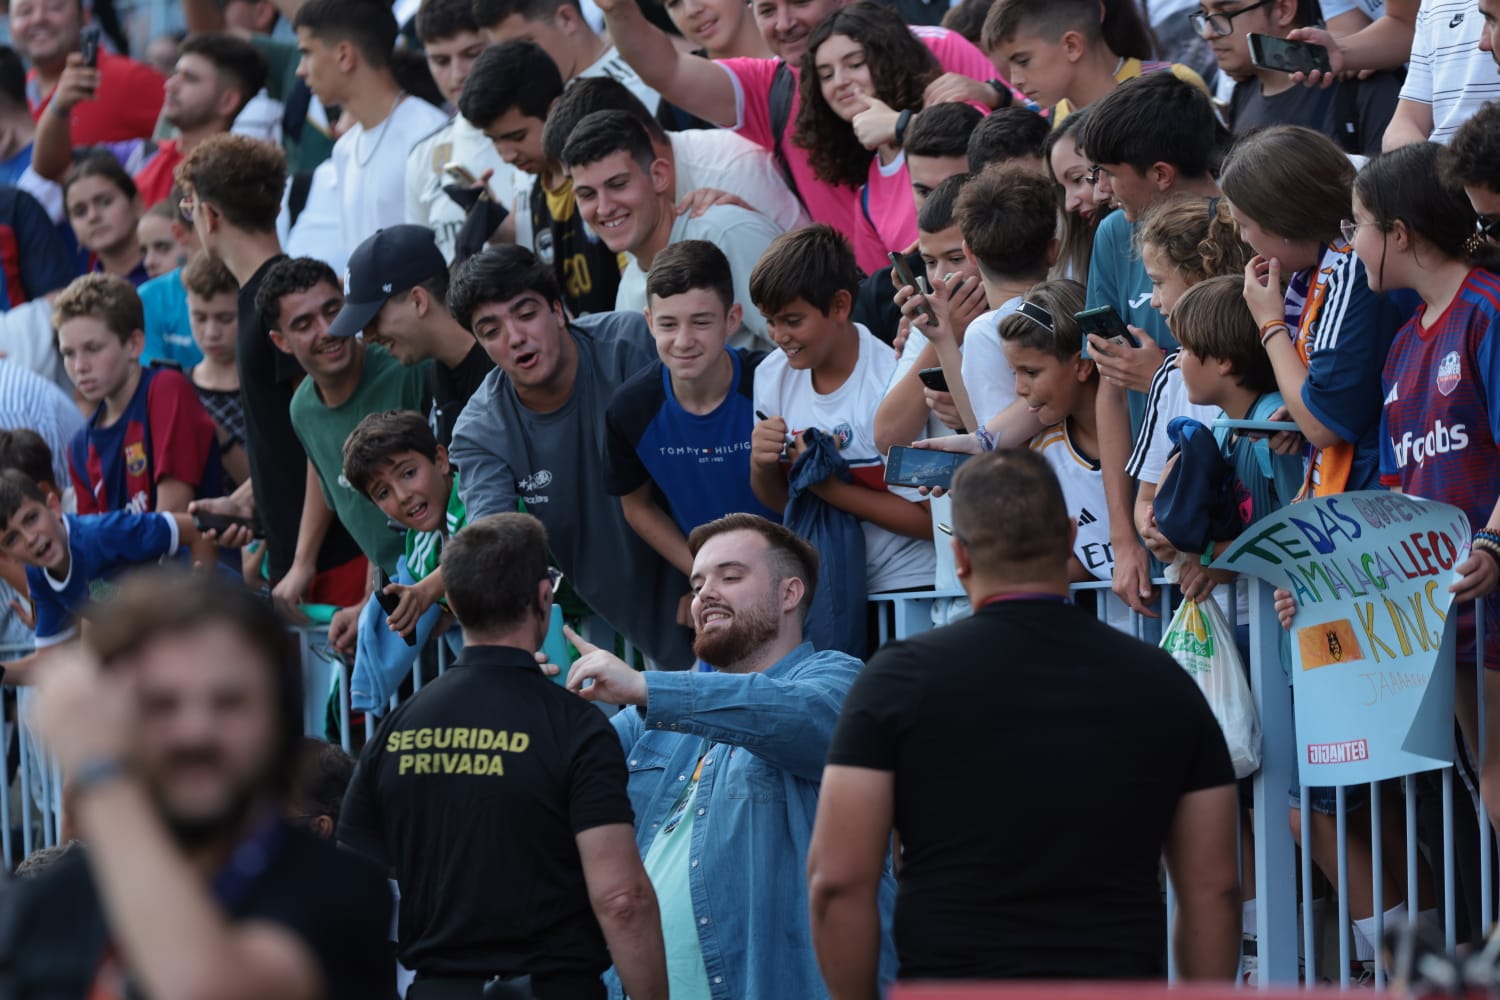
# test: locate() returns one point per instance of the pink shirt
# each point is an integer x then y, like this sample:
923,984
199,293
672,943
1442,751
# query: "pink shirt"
829,203
887,214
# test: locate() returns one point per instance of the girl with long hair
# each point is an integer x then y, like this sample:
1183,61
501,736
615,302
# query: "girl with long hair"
1078,201
863,67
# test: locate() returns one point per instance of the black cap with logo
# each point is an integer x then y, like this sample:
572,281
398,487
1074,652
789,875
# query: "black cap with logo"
392,261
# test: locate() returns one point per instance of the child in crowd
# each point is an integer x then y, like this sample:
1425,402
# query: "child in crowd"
1078,201
1182,241
157,235
1056,52
1440,422
831,374
169,331
679,430
1224,372
911,409
1043,345
394,459
149,444
104,208
70,558
25,452
864,58
213,310
1288,189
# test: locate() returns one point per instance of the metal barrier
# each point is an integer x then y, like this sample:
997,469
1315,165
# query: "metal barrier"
1278,882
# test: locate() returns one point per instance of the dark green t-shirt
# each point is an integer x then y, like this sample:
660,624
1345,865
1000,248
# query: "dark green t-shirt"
314,145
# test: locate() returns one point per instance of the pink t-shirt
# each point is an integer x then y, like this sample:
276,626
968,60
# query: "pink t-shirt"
887,214
829,203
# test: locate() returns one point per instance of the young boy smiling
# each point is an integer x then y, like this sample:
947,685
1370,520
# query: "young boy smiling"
679,430
831,374
394,459
70,558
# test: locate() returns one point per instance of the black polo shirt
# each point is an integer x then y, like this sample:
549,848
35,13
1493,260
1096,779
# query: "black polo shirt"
473,791
53,935
278,465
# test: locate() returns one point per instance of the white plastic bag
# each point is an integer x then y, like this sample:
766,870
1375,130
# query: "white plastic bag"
1201,640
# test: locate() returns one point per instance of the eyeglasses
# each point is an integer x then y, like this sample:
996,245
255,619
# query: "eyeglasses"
1217,25
186,207
1349,227
1487,228
554,576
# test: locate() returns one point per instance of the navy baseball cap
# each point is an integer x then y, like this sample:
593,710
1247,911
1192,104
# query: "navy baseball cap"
390,262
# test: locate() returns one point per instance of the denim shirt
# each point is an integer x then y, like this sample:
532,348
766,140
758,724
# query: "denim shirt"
758,794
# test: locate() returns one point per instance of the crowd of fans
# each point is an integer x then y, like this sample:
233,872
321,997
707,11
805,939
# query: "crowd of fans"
578,336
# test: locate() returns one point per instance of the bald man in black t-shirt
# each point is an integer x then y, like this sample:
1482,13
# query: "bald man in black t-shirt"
1037,765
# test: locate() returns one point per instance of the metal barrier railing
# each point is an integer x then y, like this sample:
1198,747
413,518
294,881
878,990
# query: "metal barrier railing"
1286,954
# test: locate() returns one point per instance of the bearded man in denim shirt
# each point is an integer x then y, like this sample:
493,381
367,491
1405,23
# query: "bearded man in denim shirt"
725,768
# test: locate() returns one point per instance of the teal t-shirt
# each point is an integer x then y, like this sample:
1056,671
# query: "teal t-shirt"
667,862
384,384
1117,277
169,332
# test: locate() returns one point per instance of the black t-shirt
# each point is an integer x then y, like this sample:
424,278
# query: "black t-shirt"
588,272
452,387
278,465
1353,113
1039,757
473,791
53,934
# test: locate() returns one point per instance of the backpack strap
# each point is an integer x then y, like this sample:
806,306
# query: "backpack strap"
783,88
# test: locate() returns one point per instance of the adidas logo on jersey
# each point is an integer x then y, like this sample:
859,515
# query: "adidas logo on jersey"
1441,440
1085,518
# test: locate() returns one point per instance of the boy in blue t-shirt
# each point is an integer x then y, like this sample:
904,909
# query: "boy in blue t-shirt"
679,430
71,558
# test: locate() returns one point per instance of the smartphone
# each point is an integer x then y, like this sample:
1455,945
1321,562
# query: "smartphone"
920,467
388,604
934,379
1286,56
903,272
206,521
463,175
88,44
1104,322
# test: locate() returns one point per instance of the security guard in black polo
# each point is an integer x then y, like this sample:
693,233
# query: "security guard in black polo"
498,799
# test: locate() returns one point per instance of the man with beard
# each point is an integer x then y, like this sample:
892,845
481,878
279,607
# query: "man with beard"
725,766
499,802
177,727
216,76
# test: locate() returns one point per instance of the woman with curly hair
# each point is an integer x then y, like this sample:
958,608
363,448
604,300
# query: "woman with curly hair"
862,70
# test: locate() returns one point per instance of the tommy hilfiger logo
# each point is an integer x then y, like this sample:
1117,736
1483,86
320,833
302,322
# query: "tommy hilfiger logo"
1085,518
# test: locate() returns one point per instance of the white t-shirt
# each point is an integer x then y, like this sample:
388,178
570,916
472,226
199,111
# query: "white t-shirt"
371,170
718,158
892,562
317,230
1447,70
260,119
986,373
614,66
743,236
1370,8
1166,399
427,204
1082,485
